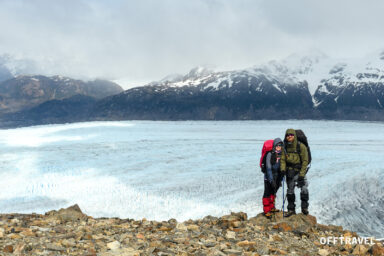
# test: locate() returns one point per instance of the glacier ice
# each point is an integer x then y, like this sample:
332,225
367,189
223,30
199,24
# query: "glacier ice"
188,169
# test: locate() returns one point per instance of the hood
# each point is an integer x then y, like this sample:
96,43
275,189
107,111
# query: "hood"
277,141
294,144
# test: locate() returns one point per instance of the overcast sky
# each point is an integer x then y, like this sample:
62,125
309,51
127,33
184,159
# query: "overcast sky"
144,40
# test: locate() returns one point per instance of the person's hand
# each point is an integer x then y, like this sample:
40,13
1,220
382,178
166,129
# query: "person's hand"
300,182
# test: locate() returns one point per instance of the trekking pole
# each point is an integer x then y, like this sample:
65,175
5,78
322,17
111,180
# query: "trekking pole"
283,196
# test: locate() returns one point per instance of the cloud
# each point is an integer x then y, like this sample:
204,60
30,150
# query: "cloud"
341,28
148,39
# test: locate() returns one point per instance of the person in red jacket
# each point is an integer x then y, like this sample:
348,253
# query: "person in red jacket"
272,177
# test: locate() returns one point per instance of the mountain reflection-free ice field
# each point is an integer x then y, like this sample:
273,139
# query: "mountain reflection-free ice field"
189,169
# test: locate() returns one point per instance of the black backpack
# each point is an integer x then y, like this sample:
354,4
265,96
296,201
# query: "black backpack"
301,138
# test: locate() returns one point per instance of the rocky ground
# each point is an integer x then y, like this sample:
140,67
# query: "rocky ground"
70,232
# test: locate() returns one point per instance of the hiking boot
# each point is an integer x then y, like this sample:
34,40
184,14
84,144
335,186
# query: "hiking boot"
275,210
268,215
305,211
289,213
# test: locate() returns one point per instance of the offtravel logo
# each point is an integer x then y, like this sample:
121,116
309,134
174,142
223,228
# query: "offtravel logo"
347,240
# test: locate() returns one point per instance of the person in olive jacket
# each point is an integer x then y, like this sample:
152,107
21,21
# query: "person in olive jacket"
294,163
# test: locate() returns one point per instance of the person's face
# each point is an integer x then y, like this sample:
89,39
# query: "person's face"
290,137
278,147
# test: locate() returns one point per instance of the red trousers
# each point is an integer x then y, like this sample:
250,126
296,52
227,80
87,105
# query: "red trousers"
268,203
268,197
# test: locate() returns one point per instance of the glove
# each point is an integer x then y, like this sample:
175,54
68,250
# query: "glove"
300,182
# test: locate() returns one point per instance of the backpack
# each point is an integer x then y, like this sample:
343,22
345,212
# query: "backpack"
267,147
301,138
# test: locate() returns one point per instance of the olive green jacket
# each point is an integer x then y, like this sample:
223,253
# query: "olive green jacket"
290,159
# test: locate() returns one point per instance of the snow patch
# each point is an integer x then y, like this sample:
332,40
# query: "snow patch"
315,102
218,81
323,89
378,102
277,87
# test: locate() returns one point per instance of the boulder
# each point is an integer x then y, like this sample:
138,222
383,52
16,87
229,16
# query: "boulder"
72,213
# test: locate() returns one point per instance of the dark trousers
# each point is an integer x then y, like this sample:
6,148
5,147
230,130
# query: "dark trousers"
268,189
292,177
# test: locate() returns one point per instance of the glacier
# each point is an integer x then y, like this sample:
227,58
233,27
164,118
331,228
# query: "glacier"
189,169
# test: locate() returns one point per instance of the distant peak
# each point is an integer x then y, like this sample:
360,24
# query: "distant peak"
30,76
60,78
25,77
172,78
198,72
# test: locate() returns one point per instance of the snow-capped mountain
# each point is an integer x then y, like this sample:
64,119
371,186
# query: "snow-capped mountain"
306,86
310,85
296,68
208,95
353,84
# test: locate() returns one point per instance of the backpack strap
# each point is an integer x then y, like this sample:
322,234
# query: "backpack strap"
298,150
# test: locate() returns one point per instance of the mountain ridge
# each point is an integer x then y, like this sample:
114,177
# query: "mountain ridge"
338,90
26,91
312,86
